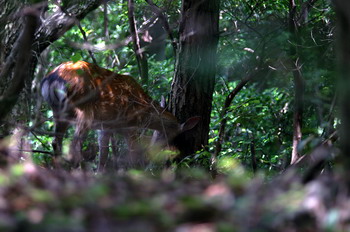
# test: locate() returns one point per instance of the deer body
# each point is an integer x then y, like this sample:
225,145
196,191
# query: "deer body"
92,97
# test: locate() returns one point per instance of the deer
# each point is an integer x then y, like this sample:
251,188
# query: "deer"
94,98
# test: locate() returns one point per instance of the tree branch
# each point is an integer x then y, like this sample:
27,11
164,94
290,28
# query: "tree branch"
225,109
304,12
86,40
140,55
60,22
164,20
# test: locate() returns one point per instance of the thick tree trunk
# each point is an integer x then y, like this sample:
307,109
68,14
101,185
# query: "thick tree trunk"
343,13
193,85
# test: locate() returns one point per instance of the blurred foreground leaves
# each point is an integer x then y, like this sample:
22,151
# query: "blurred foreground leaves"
37,199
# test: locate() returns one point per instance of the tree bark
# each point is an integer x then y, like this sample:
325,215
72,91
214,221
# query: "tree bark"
195,69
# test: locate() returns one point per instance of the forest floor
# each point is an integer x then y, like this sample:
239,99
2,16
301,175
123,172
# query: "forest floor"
33,198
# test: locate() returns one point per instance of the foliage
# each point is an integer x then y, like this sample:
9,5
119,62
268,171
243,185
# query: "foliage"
42,200
252,34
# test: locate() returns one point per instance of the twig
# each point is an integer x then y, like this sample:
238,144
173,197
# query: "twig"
37,151
85,39
140,55
42,143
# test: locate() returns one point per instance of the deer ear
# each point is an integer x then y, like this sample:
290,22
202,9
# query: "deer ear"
190,123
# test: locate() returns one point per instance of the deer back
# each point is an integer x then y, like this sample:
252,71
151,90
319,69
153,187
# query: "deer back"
97,97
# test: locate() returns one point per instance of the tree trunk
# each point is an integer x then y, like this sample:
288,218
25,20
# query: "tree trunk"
343,13
296,20
298,81
193,85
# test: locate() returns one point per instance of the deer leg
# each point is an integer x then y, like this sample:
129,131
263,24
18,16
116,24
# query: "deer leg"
60,130
135,156
75,150
115,152
103,140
